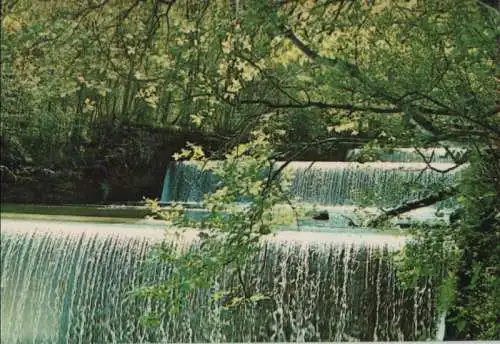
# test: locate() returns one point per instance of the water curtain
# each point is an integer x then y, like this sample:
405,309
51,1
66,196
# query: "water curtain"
74,286
325,183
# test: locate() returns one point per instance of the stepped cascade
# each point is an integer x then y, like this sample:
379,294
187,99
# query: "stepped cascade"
65,283
325,183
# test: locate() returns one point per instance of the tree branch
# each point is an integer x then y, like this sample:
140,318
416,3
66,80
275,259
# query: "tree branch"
441,195
378,92
313,55
86,10
322,105
428,162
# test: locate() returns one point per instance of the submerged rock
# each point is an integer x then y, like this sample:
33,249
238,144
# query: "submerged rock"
321,215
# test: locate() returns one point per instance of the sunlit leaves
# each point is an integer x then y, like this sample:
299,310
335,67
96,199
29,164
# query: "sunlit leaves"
149,95
232,229
89,105
10,23
197,119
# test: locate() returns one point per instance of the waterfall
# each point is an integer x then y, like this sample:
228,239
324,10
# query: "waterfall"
325,183
347,183
185,182
71,282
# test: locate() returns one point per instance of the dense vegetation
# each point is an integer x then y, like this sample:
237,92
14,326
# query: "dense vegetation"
84,84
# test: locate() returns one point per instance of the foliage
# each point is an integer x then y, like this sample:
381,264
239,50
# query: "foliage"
232,231
222,69
476,232
462,257
430,254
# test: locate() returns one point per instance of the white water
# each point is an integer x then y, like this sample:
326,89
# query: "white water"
325,183
69,281
156,231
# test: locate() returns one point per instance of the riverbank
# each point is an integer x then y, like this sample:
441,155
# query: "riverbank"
88,210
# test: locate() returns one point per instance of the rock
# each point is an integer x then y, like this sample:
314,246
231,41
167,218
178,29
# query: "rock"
48,172
321,215
350,222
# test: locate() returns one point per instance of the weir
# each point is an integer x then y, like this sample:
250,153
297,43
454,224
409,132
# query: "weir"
324,183
70,282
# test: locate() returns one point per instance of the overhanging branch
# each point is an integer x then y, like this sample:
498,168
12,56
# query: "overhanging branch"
379,92
322,105
428,162
441,195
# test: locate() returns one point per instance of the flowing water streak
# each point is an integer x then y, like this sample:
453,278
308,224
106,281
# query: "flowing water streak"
71,281
441,327
379,277
343,302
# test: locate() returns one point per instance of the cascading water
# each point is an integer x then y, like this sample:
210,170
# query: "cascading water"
185,182
325,183
338,183
70,282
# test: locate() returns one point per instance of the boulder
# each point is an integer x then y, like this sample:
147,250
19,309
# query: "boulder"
321,215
